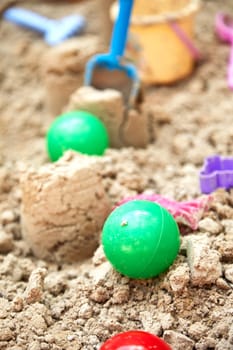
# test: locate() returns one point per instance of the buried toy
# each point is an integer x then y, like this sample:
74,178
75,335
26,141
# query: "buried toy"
135,340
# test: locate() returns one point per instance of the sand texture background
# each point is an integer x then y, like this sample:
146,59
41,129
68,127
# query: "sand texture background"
45,305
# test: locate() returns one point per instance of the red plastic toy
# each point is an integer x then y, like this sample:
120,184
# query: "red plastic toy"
135,340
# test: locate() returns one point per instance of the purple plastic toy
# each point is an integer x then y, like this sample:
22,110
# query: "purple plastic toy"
217,172
224,30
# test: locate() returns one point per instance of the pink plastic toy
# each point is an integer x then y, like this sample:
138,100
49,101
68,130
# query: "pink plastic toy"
188,213
224,30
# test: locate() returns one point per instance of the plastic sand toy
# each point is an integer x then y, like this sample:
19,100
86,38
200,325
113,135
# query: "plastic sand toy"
140,239
135,340
111,70
54,31
217,172
79,131
162,39
188,213
224,30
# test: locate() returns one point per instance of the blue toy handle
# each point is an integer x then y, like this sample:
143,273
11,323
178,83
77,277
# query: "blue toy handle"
27,19
120,30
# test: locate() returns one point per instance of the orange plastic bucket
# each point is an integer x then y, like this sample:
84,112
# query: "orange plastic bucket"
161,55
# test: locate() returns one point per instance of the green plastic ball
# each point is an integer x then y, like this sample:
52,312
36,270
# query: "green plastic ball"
141,239
79,131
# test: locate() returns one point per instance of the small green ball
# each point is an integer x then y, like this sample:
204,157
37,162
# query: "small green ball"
79,131
141,239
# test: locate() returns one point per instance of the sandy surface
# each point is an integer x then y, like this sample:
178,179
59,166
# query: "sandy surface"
51,306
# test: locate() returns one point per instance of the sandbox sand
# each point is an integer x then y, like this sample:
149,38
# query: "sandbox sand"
60,306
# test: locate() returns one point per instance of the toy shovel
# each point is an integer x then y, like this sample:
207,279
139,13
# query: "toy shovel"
224,29
110,70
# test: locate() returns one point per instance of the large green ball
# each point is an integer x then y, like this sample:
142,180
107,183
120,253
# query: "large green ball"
141,239
79,131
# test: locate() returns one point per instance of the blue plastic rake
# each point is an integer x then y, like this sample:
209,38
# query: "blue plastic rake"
54,31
